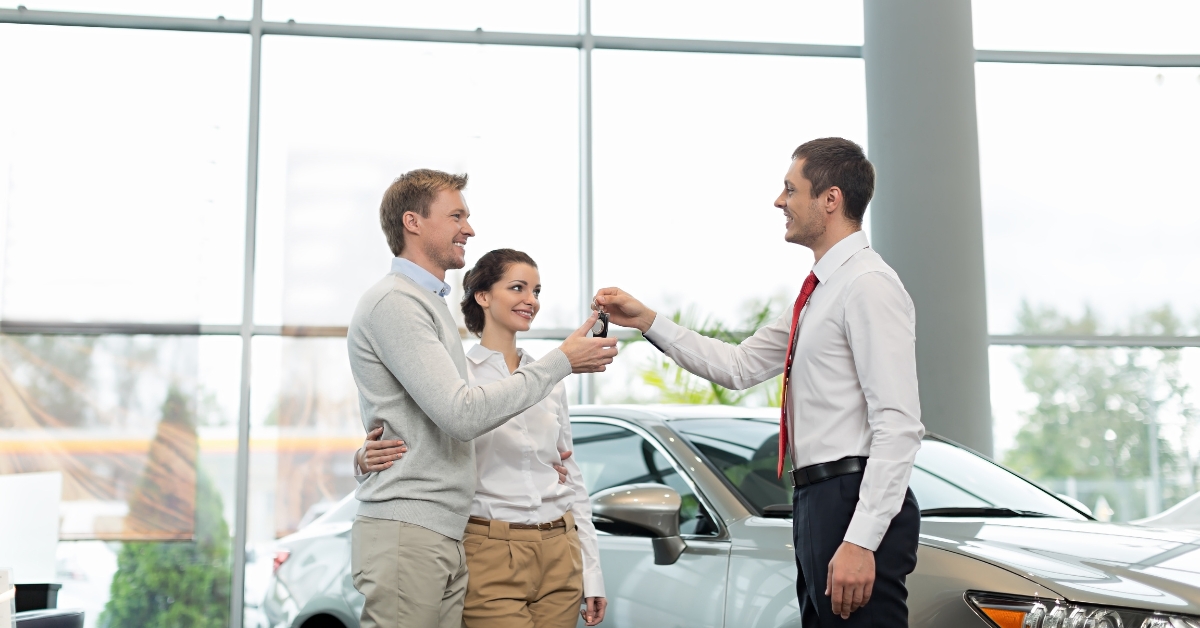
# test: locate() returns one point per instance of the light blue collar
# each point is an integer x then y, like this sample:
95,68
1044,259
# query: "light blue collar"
424,278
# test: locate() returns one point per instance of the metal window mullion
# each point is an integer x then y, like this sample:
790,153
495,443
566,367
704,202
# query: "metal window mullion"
238,586
586,382
1088,341
1087,58
584,38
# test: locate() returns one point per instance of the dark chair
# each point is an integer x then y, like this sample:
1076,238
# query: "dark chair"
50,618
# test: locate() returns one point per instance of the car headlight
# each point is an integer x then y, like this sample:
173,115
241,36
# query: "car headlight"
1008,611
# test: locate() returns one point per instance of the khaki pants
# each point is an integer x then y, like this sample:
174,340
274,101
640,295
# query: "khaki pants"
523,578
412,577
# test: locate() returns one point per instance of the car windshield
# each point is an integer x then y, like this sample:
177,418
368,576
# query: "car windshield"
945,478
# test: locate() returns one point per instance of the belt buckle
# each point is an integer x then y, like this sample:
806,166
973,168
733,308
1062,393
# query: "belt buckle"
548,526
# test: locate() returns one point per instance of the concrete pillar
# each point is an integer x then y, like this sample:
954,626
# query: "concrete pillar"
926,217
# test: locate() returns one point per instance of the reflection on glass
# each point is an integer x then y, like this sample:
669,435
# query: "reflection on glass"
143,431
343,119
527,16
977,480
1081,422
306,426
945,476
1149,26
1080,208
690,154
938,492
122,174
746,452
837,23
231,9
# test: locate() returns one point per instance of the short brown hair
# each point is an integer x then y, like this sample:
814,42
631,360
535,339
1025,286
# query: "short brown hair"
833,161
487,271
414,191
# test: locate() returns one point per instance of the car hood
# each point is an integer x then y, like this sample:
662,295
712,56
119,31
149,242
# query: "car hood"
1083,561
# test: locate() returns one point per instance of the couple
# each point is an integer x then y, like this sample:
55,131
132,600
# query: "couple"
850,417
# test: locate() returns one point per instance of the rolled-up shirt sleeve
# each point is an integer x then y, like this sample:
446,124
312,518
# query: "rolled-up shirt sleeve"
880,326
359,476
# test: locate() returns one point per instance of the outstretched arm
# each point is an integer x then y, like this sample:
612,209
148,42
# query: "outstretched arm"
414,353
757,359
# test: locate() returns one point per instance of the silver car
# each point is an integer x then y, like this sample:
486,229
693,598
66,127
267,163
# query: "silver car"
695,530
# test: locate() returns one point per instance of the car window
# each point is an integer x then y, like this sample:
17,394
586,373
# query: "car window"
610,456
981,481
745,452
944,476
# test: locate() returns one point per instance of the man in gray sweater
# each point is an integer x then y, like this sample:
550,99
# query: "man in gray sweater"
407,359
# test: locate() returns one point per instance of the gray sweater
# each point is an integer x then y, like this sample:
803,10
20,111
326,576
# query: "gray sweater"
408,362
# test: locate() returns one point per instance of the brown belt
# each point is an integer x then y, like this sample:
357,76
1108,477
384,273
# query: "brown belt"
550,525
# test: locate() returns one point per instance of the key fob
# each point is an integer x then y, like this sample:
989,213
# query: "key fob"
600,328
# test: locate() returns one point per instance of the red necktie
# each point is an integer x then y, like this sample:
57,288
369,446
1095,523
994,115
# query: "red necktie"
810,283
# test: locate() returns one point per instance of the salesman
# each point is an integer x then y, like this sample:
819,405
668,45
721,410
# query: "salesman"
851,417
406,551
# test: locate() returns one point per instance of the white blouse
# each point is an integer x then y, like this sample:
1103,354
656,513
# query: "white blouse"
516,480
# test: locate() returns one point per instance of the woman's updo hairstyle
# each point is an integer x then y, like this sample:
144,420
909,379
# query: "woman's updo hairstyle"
487,271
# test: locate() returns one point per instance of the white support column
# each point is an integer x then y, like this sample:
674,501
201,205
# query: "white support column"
587,393
926,218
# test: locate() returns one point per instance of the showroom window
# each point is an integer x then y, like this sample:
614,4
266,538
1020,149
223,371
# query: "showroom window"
188,213
1093,285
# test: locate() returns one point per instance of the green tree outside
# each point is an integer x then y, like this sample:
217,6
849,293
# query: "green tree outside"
175,584
1092,419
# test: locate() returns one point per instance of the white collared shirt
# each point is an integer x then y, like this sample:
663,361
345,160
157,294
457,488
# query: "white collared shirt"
853,385
516,480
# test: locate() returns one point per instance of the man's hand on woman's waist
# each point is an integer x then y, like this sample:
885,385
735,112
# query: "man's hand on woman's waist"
377,454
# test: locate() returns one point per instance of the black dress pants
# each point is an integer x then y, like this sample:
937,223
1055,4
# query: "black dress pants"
821,515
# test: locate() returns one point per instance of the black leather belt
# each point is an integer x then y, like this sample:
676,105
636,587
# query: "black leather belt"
827,470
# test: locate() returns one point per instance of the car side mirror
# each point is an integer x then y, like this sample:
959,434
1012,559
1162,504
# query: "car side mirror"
650,507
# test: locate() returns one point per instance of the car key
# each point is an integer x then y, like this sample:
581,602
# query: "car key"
600,328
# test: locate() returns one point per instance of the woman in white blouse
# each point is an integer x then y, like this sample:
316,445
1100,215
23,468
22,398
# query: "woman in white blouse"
530,545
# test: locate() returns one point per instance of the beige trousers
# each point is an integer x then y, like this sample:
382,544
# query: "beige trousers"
412,577
523,578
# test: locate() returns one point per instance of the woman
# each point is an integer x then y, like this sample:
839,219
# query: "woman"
531,548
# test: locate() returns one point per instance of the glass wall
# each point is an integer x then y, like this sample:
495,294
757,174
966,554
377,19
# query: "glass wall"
142,433
1146,27
342,118
1089,227
1087,209
123,198
690,154
122,174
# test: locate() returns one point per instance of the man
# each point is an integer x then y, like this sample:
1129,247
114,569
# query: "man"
851,416
408,362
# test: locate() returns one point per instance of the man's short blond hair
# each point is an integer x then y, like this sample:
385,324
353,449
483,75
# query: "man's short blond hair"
414,192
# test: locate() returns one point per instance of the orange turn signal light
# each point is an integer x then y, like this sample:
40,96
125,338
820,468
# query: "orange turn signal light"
1005,618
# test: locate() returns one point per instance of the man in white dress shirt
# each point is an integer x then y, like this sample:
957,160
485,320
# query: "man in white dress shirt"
851,415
